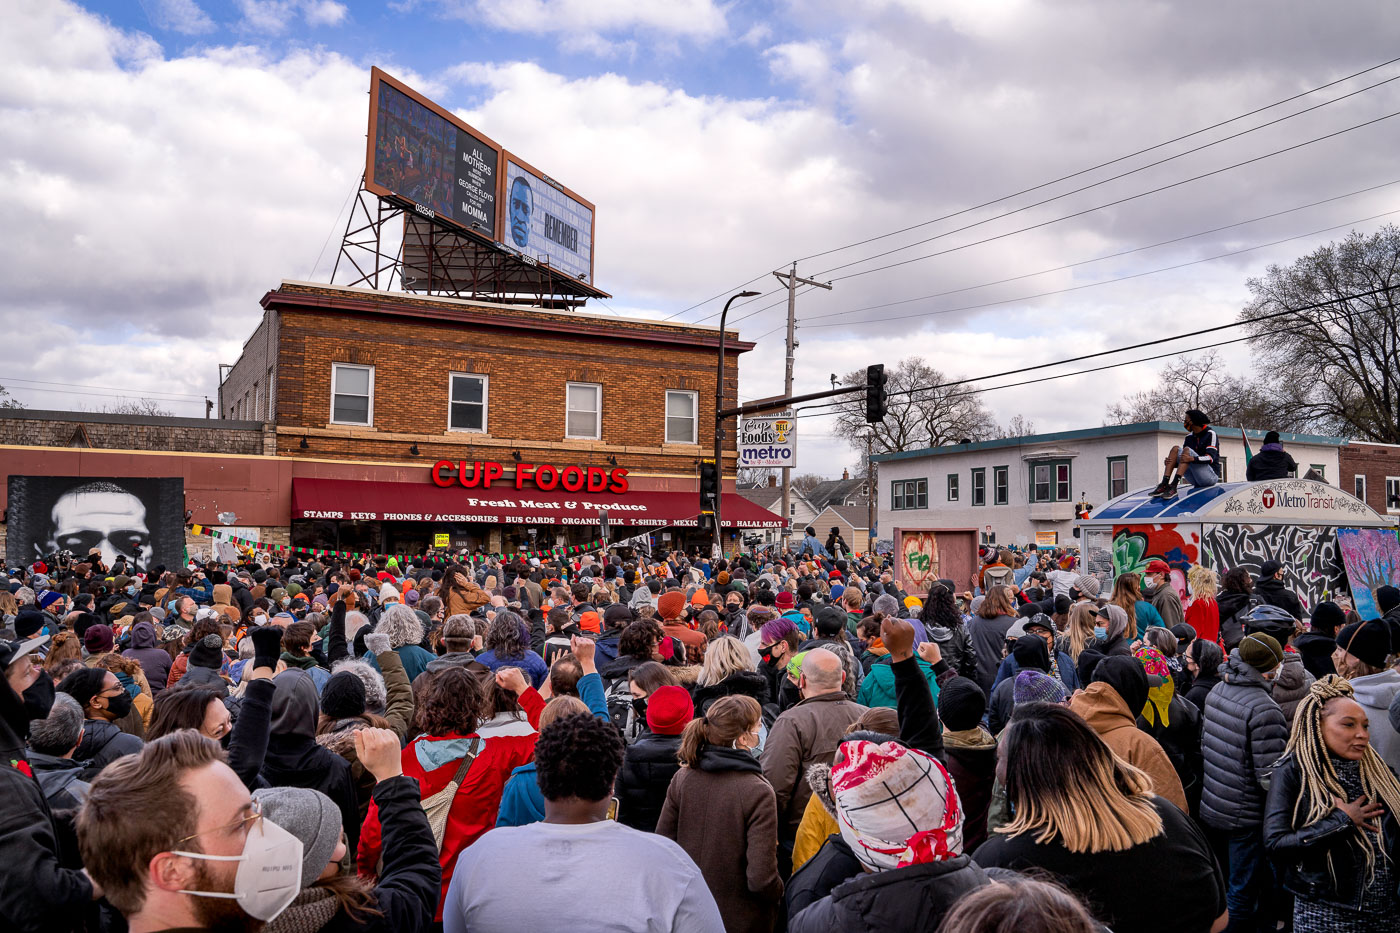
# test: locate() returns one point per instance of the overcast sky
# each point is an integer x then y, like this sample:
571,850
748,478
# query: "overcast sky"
167,162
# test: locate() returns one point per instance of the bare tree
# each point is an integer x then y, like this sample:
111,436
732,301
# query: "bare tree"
921,411
1204,382
140,406
807,481
1018,426
7,400
1339,364
754,476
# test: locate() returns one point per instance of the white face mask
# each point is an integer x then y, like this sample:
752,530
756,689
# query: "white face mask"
269,871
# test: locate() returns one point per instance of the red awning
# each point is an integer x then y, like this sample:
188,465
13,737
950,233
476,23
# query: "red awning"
355,500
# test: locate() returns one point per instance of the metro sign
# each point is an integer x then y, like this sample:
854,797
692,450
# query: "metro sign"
1267,498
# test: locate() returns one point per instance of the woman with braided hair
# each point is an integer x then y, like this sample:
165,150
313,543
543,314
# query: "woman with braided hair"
1330,821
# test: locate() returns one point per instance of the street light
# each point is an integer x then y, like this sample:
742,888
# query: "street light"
719,406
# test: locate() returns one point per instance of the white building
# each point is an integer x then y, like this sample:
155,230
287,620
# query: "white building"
1024,490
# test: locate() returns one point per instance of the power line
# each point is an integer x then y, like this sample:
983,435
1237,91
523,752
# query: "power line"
1054,181
1117,255
83,385
128,395
1149,343
1076,288
1111,178
1115,203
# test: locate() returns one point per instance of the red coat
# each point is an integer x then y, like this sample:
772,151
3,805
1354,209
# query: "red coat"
1203,615
478,800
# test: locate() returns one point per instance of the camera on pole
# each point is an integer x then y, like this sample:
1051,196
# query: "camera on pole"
875,394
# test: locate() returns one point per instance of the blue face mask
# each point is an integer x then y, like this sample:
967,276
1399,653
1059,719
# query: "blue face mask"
1100,632
131,591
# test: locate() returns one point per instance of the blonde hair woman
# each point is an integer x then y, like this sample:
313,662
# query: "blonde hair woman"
1082,619
1127,593
727,670
1203,614
1093,820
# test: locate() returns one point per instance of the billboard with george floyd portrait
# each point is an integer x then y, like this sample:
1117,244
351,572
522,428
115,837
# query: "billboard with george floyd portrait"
139,518
420,154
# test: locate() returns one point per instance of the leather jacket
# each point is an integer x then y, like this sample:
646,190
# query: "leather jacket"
1301,854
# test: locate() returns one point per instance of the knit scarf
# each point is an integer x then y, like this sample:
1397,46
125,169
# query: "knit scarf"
310,912
976,737
305,662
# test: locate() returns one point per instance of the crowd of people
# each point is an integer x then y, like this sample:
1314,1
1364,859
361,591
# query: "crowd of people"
668,742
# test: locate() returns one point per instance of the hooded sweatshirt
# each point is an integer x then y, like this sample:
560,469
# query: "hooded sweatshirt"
1106,712
295,760
1376,692
145,650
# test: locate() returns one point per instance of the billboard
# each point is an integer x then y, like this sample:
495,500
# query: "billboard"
546,222
419,152
114,515
768,440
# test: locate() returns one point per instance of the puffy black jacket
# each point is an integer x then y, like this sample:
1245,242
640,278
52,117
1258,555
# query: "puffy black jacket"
833,864
956,647
746,683
1270,464
1274,593
646,773
1243,738
914,898
1230,604
1301,854
102,744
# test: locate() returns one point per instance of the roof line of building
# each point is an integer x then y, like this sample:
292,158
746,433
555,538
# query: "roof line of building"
1108,430
102,417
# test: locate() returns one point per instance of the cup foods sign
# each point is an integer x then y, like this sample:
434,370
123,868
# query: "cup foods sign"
768,440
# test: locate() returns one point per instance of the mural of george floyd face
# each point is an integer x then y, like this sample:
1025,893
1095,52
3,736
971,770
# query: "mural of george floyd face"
138,518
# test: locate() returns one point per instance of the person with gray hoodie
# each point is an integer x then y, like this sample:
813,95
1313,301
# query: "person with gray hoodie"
146,651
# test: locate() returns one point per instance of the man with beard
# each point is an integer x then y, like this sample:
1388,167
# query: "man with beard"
38,891
206,862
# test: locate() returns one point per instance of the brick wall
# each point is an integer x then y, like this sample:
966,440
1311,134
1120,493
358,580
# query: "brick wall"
527,371
249,390
1374,461
25,427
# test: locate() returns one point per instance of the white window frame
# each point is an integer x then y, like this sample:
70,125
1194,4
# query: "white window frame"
952,490
1358,486
1390,509
695,416
1001,485
335,371
598,412
485,402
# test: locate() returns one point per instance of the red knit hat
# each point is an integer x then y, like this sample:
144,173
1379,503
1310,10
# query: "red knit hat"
668,710
785,600
670,605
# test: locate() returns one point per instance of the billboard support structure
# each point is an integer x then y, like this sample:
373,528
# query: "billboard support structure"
387,245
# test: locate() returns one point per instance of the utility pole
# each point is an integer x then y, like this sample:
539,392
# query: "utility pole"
791,279
869,492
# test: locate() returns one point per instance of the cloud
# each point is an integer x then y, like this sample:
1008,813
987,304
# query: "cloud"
182,16
694,19
275,16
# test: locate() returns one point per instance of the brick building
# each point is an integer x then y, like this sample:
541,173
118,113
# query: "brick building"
1371,472
560,414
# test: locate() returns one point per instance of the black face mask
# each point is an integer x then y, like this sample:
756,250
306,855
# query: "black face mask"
639,705
119,705
766,655
38,699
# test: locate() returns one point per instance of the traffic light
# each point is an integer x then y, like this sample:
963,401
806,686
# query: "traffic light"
875,395
709,487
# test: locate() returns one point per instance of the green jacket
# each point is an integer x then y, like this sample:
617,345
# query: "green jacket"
878,687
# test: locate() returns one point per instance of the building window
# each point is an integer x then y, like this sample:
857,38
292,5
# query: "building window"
1001,482
583,416
909,494
979,486
681,417
1358,486
1117,476
1392,494
352,394
466,402
1222,469
1319,468
952,487
1050,481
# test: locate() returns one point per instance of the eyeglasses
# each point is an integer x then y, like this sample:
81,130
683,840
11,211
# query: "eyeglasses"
254,814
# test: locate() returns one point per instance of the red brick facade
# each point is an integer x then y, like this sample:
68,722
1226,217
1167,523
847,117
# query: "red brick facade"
1380,465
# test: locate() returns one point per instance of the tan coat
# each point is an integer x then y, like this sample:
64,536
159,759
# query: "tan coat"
462,601
1107,714
805,735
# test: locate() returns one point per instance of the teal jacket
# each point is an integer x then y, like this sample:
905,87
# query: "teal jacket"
878,687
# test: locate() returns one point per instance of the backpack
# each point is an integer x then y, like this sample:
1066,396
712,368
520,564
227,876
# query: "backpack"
621,711
1232,629
996,576
439,805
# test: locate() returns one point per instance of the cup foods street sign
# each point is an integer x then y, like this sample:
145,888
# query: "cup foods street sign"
768,440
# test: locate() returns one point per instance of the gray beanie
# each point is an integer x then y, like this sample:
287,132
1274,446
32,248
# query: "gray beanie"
311,817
